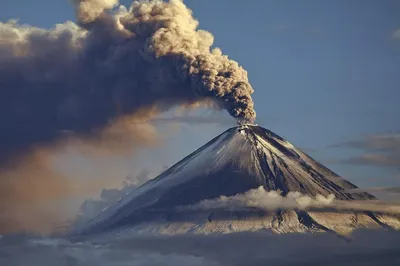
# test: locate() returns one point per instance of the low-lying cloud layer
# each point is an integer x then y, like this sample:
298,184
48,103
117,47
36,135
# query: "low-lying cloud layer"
272,200
367,248
266,200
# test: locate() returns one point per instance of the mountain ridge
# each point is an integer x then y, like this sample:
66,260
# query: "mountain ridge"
238,160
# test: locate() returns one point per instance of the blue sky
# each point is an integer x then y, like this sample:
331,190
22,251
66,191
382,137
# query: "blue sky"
324,73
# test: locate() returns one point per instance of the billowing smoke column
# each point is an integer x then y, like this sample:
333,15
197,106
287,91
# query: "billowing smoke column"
93,79
113,63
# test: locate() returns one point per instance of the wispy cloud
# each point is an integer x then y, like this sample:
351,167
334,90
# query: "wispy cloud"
392,190
380,150
374,143
396,34
382,160
108,197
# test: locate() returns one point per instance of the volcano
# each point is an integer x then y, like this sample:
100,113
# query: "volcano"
240,159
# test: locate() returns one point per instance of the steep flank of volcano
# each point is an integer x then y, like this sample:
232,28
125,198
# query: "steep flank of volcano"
244,158
238,160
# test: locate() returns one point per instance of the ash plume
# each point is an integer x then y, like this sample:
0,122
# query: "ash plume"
113,64
89,10
26,196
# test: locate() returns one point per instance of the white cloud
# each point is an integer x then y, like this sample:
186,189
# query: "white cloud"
272,200
266,200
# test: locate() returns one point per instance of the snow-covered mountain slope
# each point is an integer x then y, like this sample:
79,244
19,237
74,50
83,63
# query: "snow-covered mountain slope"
240,159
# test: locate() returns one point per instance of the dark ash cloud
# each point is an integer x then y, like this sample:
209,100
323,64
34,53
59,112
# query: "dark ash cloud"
95,80
112,64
